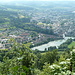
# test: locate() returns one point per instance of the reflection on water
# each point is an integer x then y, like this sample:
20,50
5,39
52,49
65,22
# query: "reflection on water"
52,43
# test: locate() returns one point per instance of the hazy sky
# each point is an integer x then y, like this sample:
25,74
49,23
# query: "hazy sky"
37,0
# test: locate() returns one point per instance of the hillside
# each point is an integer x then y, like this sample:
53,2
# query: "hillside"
12,18
54,15
27,15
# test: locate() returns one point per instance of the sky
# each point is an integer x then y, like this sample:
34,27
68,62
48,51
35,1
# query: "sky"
34,0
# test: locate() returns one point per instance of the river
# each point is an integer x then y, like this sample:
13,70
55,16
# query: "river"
52,43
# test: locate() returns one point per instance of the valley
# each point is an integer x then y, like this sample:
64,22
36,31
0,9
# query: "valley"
37,37
37,25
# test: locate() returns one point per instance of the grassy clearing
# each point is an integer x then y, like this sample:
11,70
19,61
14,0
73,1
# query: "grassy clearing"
71,45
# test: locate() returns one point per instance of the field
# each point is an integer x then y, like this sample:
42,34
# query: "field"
71,45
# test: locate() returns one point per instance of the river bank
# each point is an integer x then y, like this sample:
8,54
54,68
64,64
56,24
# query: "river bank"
52,43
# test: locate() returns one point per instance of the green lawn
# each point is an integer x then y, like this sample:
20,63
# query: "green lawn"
71,45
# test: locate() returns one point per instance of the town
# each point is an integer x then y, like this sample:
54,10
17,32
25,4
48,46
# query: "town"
29,24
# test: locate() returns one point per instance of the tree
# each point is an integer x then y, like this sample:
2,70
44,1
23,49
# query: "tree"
18,61
49,57
61,68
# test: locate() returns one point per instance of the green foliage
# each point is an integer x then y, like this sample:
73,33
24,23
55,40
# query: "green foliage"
49,57
18,61
62,68
37,72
